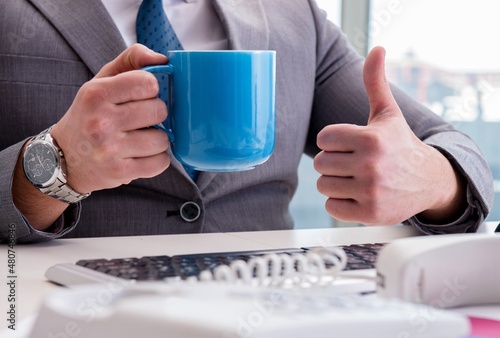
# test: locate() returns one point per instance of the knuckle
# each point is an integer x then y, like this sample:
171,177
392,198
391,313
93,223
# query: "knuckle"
323,137
374,144
165,142
371,171
372,187
151,143
318,162
371,194
158,111
135,48
373,212
322,185
161,142
163,164
150,84
158,164
94,91
120,171
132,53
98,129
143,85
334,211
110,153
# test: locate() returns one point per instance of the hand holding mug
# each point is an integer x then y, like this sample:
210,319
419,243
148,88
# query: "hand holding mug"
105,136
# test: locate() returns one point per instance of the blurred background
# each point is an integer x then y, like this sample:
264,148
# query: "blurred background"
443,53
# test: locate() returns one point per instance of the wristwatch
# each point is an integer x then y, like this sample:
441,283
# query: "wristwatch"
43,166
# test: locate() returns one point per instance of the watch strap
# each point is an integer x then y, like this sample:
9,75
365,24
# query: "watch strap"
63,192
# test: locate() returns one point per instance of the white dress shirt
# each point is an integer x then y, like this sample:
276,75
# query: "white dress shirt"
195,22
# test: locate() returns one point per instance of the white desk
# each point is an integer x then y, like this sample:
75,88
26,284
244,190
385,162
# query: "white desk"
33,260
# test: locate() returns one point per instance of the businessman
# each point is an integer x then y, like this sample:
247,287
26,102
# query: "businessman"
383,157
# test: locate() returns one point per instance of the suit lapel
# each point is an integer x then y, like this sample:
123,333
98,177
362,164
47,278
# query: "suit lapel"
87,27
245,23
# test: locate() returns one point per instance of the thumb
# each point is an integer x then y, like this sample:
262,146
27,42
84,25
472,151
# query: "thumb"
134,57
382,103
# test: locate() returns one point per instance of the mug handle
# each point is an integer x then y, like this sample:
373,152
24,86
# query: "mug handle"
163,74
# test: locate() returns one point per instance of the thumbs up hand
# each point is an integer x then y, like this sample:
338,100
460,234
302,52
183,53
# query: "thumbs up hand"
382,173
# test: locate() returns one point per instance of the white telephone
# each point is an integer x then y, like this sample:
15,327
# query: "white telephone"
444,271
221,310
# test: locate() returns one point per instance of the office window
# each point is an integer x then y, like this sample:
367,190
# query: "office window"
333,9
308,205
446,55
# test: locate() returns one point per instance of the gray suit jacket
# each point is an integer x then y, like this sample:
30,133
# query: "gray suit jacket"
48,49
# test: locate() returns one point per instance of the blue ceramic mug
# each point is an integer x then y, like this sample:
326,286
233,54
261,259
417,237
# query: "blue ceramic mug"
221,107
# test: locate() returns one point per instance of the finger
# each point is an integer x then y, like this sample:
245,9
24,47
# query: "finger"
345,210
144,143
336,164
338,187
125,87
147,167
134,57
140,114
382,102
354,211
339,137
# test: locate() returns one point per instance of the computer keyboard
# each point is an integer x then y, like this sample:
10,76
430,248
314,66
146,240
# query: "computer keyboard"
151,268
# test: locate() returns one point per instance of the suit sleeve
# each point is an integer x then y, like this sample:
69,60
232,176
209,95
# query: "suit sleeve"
340,97
12,218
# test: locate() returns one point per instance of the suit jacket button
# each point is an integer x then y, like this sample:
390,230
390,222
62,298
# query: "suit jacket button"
190,212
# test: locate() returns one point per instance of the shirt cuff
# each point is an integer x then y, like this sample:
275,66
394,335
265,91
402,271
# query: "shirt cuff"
469,221
63,225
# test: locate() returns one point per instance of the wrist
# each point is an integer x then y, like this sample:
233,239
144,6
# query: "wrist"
449,191
44,166
40,210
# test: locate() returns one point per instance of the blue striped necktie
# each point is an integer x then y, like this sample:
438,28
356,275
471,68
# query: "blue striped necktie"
155,32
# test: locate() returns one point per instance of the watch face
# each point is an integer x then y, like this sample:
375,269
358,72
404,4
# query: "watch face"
40,163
